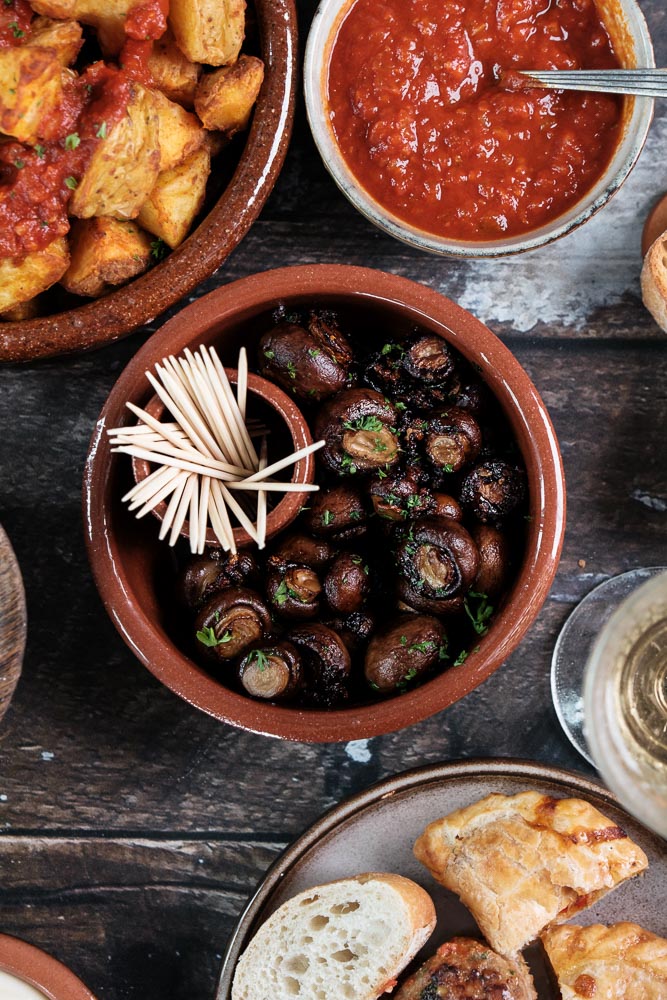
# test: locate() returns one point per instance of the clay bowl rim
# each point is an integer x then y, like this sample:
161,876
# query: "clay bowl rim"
338,284
287,509
39,969
119,314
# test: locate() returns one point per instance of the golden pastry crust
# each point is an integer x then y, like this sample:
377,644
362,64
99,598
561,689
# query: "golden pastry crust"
522,862
621,962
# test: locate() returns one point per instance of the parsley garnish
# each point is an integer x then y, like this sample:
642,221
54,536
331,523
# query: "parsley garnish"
208,637
400,406
404,640
348,464
461,658
261,659
363,424
71,183
388,348
328,518
40,151
291,368
159,249
72,141
479,615
422,647
382,474
270,355
16,31
314,352
448,467
102,131
19,164
355,515
410,676
283,592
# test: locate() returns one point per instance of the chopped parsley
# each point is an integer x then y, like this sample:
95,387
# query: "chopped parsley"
260,658
461,658
355,515
422,647
410,676
71,183
404,640
19,164
16,31
448,467
400,406
102,131
72,141
328,518
283,592
347,464
364,424
270,355
159,249
314,352
291,368
478,610
207,637
382,474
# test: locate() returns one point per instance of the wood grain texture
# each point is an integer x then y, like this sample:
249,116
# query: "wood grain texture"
111,789
12,622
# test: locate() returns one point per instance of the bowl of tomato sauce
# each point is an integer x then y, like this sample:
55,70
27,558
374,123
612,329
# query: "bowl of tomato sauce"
420,116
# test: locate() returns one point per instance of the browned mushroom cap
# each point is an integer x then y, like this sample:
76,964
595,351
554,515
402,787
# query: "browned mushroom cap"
494,559
453,439
492,490
326,664
347,584
230,622
312,364
446,506
295,591
419,372
301,549
203,575
271,672
337,513
400,494
429,359
354,630
402,652
359,427
437,564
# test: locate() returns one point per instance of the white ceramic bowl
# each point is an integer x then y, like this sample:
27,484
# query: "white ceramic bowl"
629,33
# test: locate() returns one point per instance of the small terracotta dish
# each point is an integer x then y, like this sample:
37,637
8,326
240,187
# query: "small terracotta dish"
130,565
269,403
39,970
12,622
96,323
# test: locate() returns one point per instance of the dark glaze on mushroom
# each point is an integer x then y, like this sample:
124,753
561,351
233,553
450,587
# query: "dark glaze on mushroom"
355,630
492,490
303,550
326,664
338,513
453,439
401,493
429,360
204,575
294,592
437,564
230,622
359,427
494,560
418,372
401,652
446,506
311,363
347,584
271,672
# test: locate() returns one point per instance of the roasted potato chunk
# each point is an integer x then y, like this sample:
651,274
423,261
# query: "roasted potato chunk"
65,37
174,74
108,16
209,31
22,279
224,100
31,91
125,165
177,198
180,132
105,252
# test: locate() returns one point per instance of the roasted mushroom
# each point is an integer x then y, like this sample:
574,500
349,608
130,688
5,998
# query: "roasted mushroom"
492,490
359,427
446,506
417,372
294,591
354,630
271,672
312,363
347,584
230,622
453,439
494,559
402,652
429,359
437,564
337,513
401,494
326,664
204,575
301,550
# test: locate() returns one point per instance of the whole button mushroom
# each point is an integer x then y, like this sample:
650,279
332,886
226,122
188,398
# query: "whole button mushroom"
446,506
418,372
453,439
326,664
294,592
429,359
272,673
402,652
230,622
347,584
337,513
400,494
492,490
203,575
437,564
494,560
355,630
359,427
312,363
301,550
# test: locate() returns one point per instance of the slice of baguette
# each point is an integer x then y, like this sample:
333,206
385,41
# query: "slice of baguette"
346,940
654,281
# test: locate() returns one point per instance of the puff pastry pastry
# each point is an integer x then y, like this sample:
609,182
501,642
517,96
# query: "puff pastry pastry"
622,962
522,862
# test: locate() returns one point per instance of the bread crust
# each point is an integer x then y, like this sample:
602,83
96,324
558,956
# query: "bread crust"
654,281
620,962
522,862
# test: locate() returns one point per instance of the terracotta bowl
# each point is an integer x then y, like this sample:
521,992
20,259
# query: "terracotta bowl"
129,564
101,321
44,973
267,402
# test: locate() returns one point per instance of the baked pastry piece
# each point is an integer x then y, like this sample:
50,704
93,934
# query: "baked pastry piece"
654,281
521,862
621,962
465,969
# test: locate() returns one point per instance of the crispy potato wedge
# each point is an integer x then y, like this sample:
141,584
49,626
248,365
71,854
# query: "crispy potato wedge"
177,198
224,99
180,132
65,37
22,279
174,74
107,16
31,90
125,165
209,31
105,252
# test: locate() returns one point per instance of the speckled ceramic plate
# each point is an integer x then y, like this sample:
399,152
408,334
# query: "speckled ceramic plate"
375,831
12,622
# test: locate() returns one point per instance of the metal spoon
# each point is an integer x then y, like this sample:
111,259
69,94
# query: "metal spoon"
636,82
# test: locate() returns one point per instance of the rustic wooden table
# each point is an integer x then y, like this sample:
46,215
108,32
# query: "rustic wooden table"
133,827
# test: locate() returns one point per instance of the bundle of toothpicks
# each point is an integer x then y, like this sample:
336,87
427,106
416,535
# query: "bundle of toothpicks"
205,457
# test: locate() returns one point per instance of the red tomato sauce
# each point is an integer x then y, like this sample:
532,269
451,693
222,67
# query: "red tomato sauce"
422,118
15,18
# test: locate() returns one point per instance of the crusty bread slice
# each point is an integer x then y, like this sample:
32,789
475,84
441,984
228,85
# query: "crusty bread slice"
654,281
346,940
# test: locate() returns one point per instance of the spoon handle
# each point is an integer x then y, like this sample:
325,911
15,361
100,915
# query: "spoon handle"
636,82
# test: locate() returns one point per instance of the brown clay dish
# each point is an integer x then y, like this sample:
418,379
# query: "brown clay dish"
23,960
12,622
304,471
118,314
128,562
